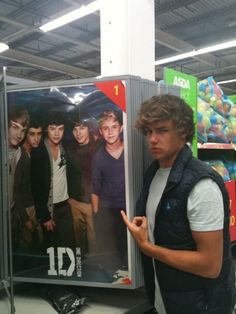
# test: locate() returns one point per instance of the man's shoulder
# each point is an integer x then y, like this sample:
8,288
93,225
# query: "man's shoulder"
100,151
24,160
23,152
200,167
99,159
96,144
199,171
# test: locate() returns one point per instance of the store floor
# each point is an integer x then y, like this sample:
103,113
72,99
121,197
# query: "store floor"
29,299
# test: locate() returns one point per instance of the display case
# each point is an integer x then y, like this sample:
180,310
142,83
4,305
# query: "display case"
4,218
2,94
221,156
6,280
66,187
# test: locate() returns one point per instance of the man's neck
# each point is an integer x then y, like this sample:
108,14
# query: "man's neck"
115,146
115,149
54,149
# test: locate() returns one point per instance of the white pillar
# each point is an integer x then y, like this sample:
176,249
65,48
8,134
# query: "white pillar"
128,38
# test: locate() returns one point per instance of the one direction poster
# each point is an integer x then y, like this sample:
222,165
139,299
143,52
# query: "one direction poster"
67,183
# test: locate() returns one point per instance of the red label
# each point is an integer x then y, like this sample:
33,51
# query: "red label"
114,90
230,185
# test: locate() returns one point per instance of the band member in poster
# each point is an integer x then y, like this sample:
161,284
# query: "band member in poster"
49,184
108,189
30,236
31,232
18,122
80,153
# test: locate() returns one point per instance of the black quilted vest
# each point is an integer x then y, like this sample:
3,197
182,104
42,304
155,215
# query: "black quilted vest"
172,227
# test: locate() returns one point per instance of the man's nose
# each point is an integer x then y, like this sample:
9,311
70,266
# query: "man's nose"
19,134
153,137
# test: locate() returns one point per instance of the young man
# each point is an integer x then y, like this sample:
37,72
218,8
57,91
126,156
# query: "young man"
49,185
30,230
80,154
33,136
18,122
108,187
182,227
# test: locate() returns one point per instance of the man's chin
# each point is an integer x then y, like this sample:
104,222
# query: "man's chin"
15,145
56,142
155,152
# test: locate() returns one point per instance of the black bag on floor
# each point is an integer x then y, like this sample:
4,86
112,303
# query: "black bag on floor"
64,300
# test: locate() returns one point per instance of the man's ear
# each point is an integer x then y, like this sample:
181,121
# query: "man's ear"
100,131
121,128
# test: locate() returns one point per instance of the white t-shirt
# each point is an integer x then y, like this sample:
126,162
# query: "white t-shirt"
155,192
205,211
59,180
206,207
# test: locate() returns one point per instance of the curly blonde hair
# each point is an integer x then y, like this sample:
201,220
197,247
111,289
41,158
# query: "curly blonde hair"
167,107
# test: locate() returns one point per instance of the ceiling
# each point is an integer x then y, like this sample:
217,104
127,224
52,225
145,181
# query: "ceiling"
73,51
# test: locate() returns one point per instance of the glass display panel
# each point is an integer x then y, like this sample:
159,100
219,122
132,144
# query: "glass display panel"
67,175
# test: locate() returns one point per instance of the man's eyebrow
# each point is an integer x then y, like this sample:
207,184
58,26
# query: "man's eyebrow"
161,127
14,122
18,125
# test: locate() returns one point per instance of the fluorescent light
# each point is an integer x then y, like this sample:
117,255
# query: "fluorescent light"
196,52
225,45
227,81
176,58
3,47
71,16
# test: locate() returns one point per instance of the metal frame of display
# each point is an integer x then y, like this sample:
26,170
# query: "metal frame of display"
136,91
6,274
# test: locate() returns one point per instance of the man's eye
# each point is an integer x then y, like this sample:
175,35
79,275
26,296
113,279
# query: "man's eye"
147,131
163,131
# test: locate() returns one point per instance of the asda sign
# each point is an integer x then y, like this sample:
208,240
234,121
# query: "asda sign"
187,84
181,82
188,92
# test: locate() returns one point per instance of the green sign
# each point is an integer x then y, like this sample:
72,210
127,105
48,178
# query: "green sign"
232,98
188,91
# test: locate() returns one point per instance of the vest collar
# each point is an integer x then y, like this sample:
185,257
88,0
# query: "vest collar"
183,157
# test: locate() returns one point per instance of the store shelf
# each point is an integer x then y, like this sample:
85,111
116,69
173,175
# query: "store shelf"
216,146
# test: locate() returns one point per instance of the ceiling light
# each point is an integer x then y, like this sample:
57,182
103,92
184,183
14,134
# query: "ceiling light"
175,58
3,47
71,16
196,52
227,81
